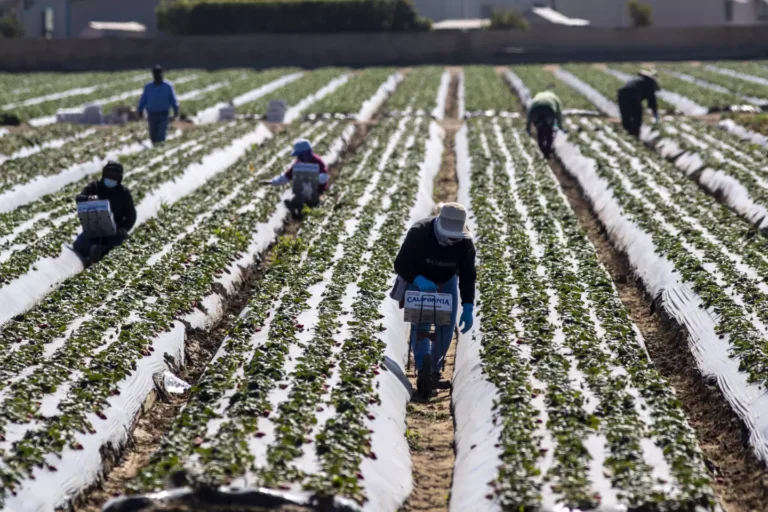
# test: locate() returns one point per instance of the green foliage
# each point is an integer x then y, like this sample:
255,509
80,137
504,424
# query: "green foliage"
641,14
284,16
508,19
10,26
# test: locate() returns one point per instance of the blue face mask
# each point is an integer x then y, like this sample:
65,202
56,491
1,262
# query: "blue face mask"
110,183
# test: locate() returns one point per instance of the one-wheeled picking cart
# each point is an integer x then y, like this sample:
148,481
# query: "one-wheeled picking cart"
427,312
305,181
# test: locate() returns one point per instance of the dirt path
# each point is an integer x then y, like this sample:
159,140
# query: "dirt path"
740,482
430,424
201,346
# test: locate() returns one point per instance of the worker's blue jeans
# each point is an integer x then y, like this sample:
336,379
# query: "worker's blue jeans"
158,126
83,244
421,344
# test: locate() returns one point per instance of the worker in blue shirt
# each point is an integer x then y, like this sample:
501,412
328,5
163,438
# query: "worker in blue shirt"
158,99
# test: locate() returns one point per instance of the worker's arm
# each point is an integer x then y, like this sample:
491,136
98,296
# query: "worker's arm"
174,100
129,217
468,276
87,193
528,120
406,260
142,102
652,103
280,180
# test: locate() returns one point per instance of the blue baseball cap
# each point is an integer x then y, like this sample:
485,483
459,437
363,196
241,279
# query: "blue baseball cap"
300,146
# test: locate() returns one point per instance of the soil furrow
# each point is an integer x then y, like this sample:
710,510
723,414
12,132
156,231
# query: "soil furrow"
430,430
739,479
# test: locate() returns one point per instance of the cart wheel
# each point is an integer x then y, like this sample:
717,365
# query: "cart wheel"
424,380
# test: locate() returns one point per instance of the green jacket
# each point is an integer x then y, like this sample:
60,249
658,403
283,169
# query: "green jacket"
549,100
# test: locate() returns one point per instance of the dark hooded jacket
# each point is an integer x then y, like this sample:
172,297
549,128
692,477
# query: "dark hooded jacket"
422,255
120,202
638,89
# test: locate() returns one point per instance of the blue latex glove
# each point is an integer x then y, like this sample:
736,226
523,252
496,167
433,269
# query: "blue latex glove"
656,118
466,319
424,284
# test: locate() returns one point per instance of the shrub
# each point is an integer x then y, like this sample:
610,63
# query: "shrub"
641,14
10,26
507,19
226,17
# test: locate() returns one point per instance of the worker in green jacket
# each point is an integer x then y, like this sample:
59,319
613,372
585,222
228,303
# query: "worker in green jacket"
546,113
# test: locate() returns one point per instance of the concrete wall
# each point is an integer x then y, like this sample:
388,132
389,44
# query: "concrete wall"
439,47
85,11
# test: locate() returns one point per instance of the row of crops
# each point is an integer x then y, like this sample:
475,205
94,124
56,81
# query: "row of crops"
557,404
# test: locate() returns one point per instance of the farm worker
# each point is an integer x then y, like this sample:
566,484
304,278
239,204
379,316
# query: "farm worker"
631,96
158,99
109,187
546,114
437,251
302,150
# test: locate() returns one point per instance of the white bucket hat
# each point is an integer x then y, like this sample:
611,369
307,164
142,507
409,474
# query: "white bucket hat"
452,221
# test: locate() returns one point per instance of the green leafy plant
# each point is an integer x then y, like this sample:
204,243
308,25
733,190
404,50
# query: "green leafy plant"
641,15
507,19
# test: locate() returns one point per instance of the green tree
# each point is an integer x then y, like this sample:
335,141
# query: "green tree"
507,19
640,14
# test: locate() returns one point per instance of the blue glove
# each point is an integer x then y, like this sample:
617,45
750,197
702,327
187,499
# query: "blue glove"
424,284
466,319
656,118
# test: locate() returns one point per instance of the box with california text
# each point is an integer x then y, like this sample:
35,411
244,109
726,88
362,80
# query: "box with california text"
428,308
96,218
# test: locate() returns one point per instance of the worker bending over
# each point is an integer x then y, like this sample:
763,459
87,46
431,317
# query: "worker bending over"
436,252
546,114
642,87
109,187
302,150
158,99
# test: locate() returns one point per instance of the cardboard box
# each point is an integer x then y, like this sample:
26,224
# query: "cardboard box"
305,179
276,111
428,308
96,218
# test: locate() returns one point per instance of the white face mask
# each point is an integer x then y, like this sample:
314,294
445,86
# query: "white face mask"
110,183
443,240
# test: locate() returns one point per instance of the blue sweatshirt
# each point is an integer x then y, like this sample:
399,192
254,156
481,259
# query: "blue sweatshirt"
158,99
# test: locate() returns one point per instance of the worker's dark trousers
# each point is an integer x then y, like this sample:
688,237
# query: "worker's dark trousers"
545,132
631,113
83,244
158,126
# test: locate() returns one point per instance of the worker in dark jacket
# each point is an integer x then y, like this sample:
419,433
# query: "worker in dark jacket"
436,252
109,187
642,87
158,99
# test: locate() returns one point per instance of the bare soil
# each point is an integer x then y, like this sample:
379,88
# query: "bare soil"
430,423
739,480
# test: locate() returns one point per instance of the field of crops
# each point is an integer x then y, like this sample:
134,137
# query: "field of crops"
600,272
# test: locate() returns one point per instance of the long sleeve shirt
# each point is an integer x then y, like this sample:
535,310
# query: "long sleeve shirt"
422,255
159,98
120,202
638,89
549,100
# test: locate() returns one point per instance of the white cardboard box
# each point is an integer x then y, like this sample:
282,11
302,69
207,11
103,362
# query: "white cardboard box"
428,308
276,111
96,218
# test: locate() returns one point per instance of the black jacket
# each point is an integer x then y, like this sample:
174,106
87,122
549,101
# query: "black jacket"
421,254
120,202
638,89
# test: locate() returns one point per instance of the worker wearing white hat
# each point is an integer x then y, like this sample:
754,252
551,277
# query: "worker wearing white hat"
438,252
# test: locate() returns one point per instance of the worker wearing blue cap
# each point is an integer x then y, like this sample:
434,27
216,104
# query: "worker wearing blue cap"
302,150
